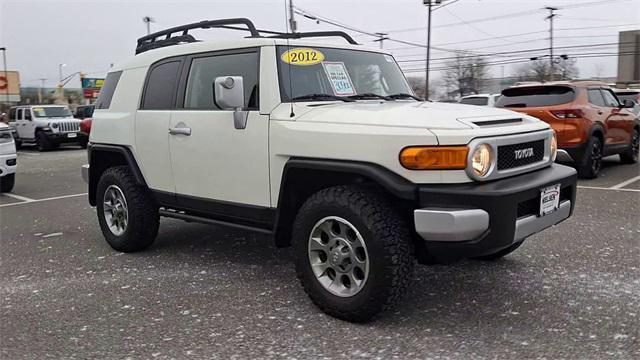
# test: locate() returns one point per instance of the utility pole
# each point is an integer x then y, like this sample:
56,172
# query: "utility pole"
381,37
429,4
148,20
60,84
550,18
292,21
4,62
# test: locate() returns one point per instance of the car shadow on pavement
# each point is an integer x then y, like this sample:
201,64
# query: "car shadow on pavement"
467,292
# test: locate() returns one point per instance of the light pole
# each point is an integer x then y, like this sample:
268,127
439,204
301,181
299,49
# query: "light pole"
429,4
4,62
60,85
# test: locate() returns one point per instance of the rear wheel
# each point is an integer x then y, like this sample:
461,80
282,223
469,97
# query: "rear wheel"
7,182
354,253
127,213
591,169
631,155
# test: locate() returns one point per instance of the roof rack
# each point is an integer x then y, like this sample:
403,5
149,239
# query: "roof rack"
154,41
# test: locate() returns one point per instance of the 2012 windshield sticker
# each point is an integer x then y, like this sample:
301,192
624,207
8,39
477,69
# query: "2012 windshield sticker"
302,56
339,78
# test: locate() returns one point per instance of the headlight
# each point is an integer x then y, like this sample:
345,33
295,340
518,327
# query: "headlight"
481,160
554,147
54,125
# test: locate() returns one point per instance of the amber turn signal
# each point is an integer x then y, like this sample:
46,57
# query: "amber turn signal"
434,157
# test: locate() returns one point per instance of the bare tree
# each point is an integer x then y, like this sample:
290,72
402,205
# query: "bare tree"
539,70
464,75
417,84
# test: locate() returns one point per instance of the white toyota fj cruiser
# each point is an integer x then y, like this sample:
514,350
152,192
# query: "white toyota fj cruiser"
46,126
324,148
8,158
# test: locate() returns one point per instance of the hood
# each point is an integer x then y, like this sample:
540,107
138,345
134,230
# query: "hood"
423,115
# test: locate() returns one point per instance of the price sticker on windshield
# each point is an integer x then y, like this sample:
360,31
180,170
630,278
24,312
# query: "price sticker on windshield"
339,78
302,56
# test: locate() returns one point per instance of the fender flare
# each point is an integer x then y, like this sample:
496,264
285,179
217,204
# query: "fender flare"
95,170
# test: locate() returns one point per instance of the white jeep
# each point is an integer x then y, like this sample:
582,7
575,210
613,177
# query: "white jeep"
8,158
46,126
324,148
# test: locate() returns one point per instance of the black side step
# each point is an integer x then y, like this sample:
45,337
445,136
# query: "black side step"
199,219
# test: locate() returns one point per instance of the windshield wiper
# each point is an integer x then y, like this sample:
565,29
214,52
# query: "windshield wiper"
370,96
404,96
321,97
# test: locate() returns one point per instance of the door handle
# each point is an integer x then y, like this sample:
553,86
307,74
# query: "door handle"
599,112
180,131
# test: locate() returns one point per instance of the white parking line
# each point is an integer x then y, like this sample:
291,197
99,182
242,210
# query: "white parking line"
625,183
604,188
18,197
31,201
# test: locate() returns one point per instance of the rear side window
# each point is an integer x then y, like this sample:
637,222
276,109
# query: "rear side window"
536,96
595,97
479,100
204,71
108,88
161,86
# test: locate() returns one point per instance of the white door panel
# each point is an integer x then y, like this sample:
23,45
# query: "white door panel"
217,161
152,148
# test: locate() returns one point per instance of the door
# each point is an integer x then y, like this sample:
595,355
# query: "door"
21,125
152,123
213,162
619,120
29,126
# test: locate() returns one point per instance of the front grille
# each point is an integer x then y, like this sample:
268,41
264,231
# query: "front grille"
69,126
517,155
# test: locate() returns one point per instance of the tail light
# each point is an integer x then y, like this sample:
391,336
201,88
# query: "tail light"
85,125
568,113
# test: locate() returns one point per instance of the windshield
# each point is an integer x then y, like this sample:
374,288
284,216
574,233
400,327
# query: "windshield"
51,111
337,72
477,100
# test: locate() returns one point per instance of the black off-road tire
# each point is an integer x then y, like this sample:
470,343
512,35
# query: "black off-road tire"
593,165
500,254
42,142
630,156
7,182
143,216
389,246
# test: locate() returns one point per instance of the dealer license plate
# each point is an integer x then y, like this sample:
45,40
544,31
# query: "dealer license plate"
72,135
549,199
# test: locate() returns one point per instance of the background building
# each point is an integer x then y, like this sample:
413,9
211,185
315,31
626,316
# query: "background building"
629,58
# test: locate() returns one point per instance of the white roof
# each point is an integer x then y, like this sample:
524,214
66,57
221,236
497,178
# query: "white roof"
149,57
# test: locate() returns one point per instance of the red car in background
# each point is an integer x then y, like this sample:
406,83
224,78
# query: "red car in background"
85,113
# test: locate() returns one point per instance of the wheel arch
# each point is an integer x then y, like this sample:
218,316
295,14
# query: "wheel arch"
302,177
102,157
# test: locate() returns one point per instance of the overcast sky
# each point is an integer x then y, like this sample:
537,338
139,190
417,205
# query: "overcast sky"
90,35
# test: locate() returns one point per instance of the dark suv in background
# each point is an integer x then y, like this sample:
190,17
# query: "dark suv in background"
588,118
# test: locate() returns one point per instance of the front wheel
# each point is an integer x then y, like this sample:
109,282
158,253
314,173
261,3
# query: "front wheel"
7,182
42,142
591,169
631,155
127,213
354,252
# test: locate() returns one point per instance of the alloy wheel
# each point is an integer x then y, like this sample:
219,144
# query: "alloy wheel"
116,213
338,256
596,157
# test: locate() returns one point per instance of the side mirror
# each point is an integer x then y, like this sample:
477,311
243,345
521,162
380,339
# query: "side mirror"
229,95
628,104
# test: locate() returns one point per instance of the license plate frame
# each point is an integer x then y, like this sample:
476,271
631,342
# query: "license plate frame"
72,135
549,199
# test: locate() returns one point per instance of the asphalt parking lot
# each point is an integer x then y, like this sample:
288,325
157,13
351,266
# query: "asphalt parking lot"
572,291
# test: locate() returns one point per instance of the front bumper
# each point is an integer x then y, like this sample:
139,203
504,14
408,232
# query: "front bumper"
63,138
8,164
468,220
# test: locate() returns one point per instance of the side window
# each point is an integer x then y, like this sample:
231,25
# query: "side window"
161,86
204,70
595,97
609,98
108,89
12,114
27,114
19,117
